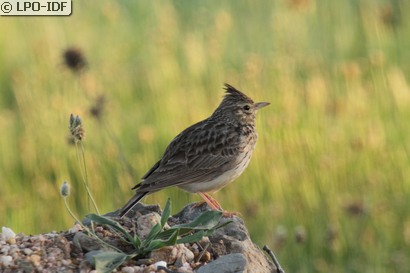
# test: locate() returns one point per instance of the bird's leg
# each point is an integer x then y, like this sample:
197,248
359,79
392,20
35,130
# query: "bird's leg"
213,200
210,201
215,205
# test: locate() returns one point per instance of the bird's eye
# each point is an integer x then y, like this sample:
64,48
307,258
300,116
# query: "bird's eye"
246,108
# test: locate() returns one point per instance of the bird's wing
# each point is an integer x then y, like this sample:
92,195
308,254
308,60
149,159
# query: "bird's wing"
203,150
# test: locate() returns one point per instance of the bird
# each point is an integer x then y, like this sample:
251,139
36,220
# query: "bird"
208,155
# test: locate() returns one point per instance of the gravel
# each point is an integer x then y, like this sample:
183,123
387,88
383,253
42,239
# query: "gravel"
66,251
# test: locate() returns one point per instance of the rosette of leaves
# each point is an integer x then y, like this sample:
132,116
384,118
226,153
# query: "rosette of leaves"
204,225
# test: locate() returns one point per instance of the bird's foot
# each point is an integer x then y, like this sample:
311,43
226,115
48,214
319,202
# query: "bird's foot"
229,214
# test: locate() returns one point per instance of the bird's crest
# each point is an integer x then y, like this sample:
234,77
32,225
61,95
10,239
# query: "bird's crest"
231,93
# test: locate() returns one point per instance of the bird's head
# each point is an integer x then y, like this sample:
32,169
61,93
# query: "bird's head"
236,105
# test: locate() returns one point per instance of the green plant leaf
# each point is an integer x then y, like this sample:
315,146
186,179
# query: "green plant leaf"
89,256
206,220
159,243
152,234
192,238
137,241
106,262
166,213
164,235
222,225
102,220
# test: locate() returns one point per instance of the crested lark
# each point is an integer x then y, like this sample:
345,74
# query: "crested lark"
208,155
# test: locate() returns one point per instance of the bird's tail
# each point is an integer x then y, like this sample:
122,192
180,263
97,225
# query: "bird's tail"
131,203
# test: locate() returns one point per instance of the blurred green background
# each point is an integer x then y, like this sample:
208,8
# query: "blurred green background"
328,188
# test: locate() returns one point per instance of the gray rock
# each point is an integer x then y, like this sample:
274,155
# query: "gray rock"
27,251
232,243
231,263
87,243
145,224
235,238
6,260
137,211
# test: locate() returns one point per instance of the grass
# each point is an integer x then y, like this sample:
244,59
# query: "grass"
333,153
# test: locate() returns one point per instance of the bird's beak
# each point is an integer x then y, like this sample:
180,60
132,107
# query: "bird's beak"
260,105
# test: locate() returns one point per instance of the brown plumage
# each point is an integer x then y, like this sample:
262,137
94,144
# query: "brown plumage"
207,155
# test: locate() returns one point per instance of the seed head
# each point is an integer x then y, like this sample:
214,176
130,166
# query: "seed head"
390,16
300,234
280,236
331,235
74,59
355,208
97,109
76,128
65,189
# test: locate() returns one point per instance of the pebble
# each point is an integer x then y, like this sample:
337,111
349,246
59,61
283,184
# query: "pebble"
127,269
15,255
14,248
99,229
6,260
41,238
35,259
66,262
145,224
27,251
167,254
11,241
51,259
7,233
185,268
5,249
139,269
36,248
206,257
75,229
160,264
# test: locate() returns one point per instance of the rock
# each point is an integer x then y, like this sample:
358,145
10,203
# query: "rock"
189,213
232,263
185,268
76,228
145,224
230,239
232,243
35,259
229,249
167,254
184,255
205,257
160,264
5,250
127,269
138,210
11,241
7,234
177,254
236,239
86,243
6,260
27,251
